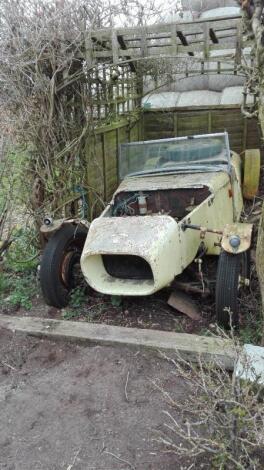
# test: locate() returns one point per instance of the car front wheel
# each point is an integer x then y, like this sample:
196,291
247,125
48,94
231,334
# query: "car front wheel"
60,270
232,273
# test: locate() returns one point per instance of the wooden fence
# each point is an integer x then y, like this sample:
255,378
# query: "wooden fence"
243,133
102,148
102,160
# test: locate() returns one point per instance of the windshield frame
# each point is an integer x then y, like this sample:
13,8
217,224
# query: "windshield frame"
190,169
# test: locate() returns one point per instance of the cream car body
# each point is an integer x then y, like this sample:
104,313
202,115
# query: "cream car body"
133,254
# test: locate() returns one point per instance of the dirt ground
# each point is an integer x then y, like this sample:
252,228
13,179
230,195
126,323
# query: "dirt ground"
70,407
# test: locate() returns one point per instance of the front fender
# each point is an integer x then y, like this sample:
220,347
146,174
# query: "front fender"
154,239
55,225
243,231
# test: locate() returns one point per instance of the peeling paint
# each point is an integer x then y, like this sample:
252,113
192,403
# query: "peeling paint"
213,180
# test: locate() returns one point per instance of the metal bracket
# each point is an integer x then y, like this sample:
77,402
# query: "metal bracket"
201,229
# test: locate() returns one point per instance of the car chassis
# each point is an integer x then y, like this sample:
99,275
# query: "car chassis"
179,200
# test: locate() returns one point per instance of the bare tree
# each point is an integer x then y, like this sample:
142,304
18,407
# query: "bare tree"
47,92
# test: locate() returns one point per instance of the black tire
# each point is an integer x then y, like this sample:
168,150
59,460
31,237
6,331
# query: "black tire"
230,268
61,257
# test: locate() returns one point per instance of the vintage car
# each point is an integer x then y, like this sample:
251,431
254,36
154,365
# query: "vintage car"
179,200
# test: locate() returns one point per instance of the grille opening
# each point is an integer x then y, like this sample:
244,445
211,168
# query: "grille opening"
127,267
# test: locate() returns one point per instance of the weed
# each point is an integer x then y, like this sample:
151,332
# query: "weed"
18,290
252,332
76,304
22,255
4,283
69,314
78,297
18,283
178,328
79,308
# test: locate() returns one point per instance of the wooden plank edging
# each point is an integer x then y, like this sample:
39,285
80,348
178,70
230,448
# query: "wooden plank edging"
189,346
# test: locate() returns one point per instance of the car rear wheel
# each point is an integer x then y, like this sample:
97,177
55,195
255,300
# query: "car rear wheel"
60,270
232,272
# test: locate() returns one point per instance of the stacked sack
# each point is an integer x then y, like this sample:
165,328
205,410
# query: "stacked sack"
230,96
199,7
213,83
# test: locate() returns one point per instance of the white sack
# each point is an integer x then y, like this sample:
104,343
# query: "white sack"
202,5
219,12
232,95
167,99
199,98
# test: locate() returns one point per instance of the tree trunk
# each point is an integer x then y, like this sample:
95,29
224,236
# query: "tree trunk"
260,264
258,31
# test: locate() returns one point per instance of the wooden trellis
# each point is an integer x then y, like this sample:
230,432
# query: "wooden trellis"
113,91
198,39
116,58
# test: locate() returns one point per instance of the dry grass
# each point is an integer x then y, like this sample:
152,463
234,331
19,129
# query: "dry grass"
221,420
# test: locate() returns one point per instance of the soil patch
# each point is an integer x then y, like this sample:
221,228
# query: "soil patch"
69,407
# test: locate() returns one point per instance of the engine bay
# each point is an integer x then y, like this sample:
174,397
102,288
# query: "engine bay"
174,202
